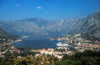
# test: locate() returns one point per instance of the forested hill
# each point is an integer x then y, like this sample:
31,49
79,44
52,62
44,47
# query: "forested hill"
4,36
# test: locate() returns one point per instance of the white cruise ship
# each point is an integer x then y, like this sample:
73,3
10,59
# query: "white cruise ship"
62,44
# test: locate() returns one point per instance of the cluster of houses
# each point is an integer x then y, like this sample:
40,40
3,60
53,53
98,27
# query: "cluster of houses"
10,49
51,51
79,43
88,46
6,46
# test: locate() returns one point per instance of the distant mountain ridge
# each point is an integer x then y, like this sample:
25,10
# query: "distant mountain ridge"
38,26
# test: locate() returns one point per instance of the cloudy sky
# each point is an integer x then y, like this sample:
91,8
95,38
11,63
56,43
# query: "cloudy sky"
11,10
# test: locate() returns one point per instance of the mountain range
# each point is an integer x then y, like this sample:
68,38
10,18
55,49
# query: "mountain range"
39,26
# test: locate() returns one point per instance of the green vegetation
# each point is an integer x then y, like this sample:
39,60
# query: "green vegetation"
28,60
85,58
61,50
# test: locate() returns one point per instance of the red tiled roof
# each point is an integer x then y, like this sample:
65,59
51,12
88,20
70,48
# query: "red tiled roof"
15,50
1,55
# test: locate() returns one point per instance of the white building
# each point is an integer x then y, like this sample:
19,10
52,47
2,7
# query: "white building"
49,51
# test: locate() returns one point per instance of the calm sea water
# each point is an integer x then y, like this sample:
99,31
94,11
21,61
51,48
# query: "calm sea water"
37,43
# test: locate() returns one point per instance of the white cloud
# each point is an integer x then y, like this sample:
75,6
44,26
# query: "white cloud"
17,5
38,7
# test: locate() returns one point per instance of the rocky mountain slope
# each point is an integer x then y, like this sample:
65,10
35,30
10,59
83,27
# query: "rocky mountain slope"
89,24
38,26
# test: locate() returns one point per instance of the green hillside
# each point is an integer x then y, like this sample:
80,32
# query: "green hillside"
6,37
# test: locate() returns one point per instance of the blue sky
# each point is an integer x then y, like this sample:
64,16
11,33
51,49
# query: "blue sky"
11,10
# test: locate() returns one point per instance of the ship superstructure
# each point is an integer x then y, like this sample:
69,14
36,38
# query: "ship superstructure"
62,44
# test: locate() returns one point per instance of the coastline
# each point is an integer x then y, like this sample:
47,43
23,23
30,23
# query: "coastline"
18,40
55,38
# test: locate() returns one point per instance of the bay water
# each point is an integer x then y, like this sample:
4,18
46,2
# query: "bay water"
37,43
